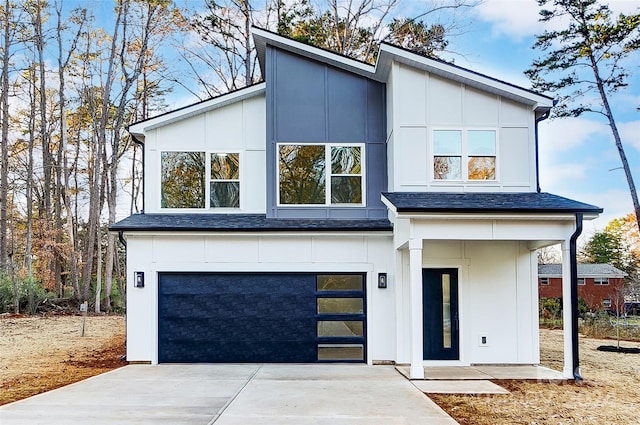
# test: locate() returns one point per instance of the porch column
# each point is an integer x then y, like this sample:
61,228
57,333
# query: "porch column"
415,284
567,317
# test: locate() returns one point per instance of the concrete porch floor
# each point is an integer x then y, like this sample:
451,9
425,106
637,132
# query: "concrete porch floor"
477,379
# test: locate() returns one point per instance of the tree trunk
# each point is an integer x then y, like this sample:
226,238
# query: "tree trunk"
4,143
616,137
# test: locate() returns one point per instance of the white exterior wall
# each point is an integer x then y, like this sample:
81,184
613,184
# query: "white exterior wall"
497,299
237,127
421,102
366,253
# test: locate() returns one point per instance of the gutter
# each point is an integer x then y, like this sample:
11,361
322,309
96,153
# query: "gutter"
574,297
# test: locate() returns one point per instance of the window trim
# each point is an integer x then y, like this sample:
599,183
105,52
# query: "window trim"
464,155
207,181
328,174
582,281
544,281
601,281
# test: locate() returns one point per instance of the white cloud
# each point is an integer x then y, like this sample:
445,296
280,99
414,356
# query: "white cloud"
630,134
515,18
561,135
519,18
553,176
616,203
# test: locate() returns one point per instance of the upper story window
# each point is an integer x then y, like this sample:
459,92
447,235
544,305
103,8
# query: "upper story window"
224,185
184,182
600,280
327,174
581,281
464,154
182,179
544,281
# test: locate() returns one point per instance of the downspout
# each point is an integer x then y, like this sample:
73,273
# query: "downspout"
574,297
539,119
141,144
121,238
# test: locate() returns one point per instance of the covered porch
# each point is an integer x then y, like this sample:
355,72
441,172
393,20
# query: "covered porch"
467,289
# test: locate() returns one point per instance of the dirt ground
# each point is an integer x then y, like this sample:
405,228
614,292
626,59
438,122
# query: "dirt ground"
41,353
608,395
38,353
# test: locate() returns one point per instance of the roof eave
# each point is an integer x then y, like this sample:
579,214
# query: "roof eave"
139,128
389,53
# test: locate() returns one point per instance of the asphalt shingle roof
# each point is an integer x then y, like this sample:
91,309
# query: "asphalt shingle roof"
603,270
240,223
530,202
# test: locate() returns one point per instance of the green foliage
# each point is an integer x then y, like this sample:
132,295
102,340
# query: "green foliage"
610,247
31,295
550,307
592,44
418,36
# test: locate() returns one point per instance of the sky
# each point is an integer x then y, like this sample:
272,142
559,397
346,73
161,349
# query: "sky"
578,157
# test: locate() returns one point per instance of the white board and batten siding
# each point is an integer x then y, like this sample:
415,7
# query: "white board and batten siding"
262,253
421,102
236,127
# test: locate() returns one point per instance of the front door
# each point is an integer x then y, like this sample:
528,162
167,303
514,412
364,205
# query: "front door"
440,314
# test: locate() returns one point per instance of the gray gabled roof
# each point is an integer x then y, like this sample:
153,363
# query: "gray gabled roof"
476,202
387,55
584,270
241,223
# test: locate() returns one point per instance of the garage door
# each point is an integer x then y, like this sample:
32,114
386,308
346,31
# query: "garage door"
249,317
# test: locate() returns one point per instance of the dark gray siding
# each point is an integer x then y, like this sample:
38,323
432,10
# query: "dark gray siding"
310,102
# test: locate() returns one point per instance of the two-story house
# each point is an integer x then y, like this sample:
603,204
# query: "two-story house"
345,212
599,285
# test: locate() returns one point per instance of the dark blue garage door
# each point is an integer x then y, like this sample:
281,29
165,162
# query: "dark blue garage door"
256,318
206,317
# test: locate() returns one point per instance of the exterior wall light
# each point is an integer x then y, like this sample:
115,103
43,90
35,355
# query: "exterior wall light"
382,280
139,280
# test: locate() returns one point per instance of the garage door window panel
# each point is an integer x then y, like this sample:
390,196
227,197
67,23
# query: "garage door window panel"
340,316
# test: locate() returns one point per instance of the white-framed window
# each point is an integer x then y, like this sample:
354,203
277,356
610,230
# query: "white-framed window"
606,303
581,281
188,179
182,179
544,281
321,174
600,280
224,180
465,154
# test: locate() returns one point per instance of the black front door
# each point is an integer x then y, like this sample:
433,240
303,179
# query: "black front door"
440,314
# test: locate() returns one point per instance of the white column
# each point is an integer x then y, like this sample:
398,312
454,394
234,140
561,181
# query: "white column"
415,284
566,310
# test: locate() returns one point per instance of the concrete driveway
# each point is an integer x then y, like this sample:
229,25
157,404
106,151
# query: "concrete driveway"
233,394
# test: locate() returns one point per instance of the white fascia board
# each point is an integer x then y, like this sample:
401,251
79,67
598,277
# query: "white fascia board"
139,129
262,38
389,205
480,216
388,54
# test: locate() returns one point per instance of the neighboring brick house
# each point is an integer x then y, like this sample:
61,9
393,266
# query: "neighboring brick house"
597,283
